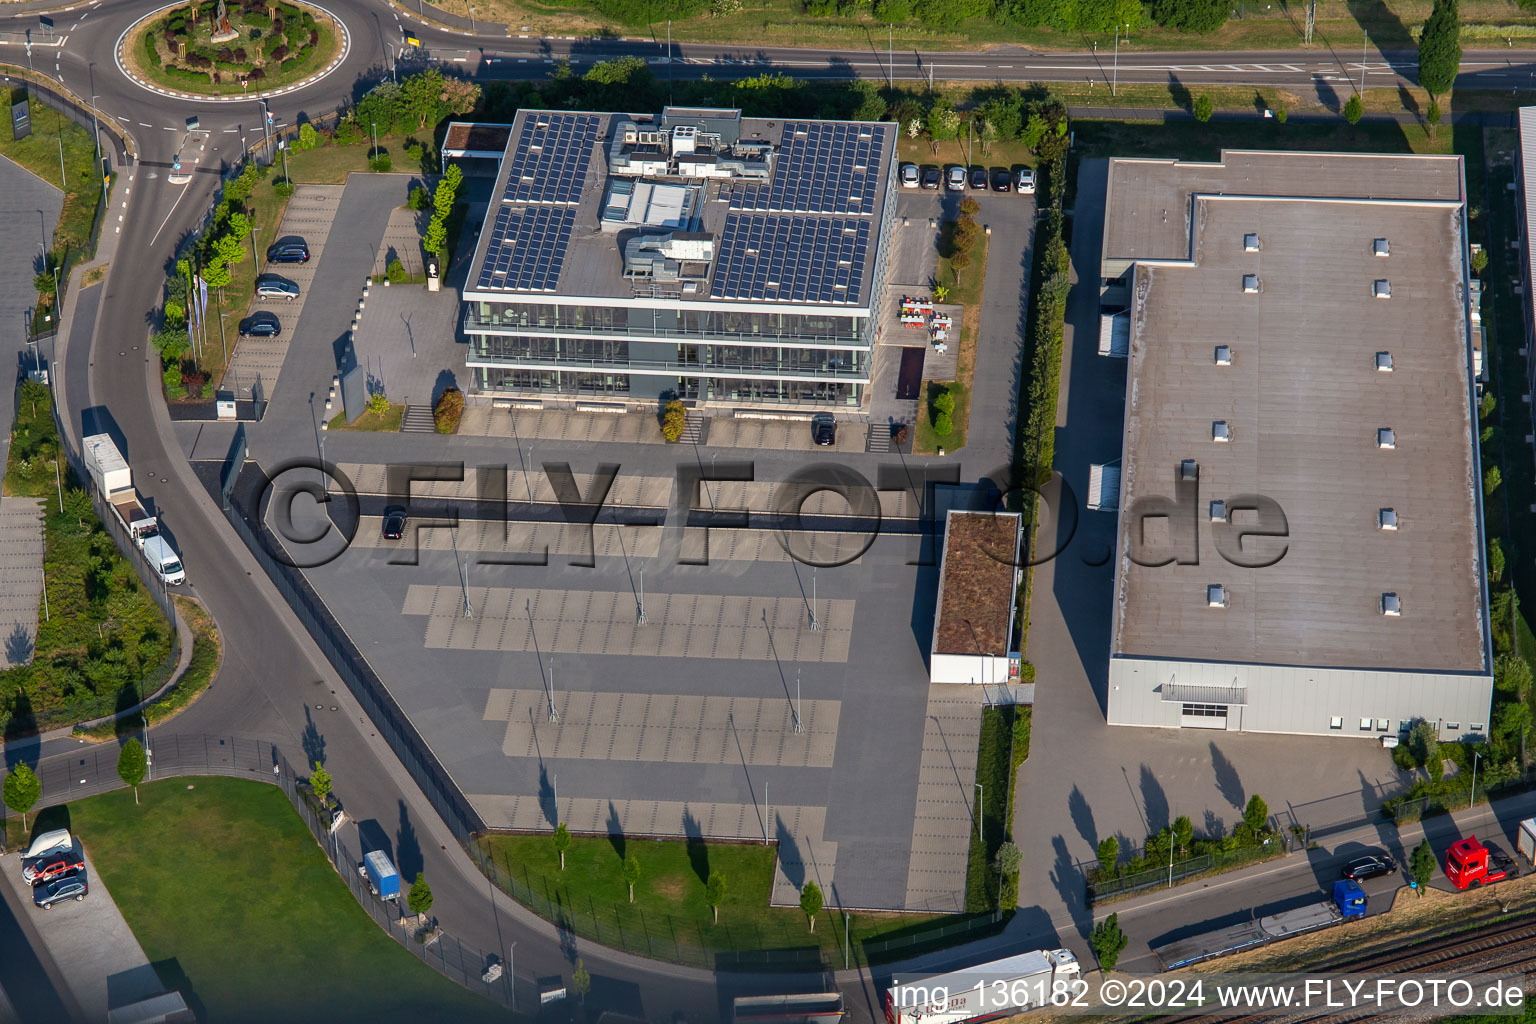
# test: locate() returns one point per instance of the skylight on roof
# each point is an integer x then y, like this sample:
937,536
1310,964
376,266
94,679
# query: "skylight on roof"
1216,595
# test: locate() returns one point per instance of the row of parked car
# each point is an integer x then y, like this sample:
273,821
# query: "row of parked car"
54,865
271,287
955,178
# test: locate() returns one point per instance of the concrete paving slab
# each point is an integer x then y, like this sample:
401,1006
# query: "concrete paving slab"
21,577
90,944
946,792
408,344
793,435
681,728
669,818
499,420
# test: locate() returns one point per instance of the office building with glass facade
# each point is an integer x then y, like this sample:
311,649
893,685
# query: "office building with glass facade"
729,261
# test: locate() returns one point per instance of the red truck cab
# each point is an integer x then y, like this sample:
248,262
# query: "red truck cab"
1469,863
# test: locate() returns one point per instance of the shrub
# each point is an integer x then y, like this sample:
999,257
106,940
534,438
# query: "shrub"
449,408
240,55
349,133
381,163
308,137
193,380
1204,108
283,187
378,403
256,19
1354,109
175,315
943,425
256,75
172,380
414,151
151,51
944,401
1480,261
417,199
673,419
1281,113
314,37
395,272
279,53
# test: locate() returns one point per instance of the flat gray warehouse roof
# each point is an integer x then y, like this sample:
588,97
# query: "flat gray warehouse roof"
1148,217
1303,408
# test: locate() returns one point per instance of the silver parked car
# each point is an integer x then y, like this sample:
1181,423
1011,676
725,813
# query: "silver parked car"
270,287
71,886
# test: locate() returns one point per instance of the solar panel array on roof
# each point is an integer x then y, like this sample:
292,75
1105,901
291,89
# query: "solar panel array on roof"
823,167
527,248
791,259
551,160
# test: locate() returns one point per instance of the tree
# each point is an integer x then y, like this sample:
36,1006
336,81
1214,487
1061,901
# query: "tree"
174,315
1440,48
1184,832
1480,262
1354,109
171,344
1495,559
1512,721
969,206
959,261
1486,406
562,842
216,274
1108,942
132,765
227,249
1008,859
1421,864
308,137
459,96
1423,742
419,897
943,424
1256,814
1433,114
22,789
240,226
1281,113
1492,480
320,782
1204,108
674,418
632,874
714,893
581,979
811,901
1191,15
944,401
421,97
1109,853
943,123
436,238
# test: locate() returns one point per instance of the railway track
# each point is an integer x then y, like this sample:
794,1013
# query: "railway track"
1507,948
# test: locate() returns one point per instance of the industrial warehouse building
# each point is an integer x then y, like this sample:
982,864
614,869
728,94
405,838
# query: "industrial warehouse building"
1300,545
724,260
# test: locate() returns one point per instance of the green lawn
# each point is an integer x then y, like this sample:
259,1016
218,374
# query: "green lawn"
386,422
669,911
967,291
310,60
233,902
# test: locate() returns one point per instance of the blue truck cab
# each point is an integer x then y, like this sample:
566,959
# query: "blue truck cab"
1349,898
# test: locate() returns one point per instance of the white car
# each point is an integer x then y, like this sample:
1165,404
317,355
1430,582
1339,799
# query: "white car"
954,178
1026,181
276,288
909,175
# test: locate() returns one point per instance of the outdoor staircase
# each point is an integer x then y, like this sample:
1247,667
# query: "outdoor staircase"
418,420
879,442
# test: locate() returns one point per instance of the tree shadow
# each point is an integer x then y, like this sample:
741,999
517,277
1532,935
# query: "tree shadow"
1409,101
1082,817
547,798
175,979
1071,887
1215,825
1387,29
791,861
698,852
313,742
19,647
615,830
408,858
445,380
1227,783
1154,800
1179,93
20,720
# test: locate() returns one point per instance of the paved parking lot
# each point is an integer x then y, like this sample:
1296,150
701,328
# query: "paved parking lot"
310,213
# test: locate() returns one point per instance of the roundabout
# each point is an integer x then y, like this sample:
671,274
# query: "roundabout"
207,51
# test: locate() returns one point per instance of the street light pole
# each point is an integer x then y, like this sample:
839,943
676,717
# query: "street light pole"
223,344
815,622
1114,83
798,726
981,822
1475,758
642,594
1363,47
554,716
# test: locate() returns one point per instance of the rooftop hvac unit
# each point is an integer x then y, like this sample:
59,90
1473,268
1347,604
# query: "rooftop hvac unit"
1386,519
1251,283
1384,362
1386,437
1390,605
1251,242
1382,248
1223,355
1382,289
1216,595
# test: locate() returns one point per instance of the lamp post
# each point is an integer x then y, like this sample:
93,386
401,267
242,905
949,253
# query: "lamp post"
472,29
981,822
1114,82
641,616
223,344
1475,758
375,126
799,726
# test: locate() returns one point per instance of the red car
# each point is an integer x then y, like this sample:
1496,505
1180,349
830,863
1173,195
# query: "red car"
53,864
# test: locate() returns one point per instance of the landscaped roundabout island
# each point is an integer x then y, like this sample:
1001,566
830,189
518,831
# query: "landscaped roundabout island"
246,47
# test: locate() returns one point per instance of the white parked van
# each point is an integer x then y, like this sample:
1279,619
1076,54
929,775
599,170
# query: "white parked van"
163,559
45,842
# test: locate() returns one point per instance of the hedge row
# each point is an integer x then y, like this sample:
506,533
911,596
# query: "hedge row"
1037,444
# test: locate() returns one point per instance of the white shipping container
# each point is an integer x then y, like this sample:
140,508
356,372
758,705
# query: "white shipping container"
108,467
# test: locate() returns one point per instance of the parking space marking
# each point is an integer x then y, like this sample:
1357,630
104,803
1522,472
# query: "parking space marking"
648,817
673,728
725,627
946,779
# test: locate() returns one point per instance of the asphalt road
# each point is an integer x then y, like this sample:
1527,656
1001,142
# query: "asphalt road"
273,673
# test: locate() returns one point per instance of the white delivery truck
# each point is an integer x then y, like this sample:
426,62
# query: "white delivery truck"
1525,840
986,991
114,479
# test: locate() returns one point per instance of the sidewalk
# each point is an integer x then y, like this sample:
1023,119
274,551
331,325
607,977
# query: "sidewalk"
1167,114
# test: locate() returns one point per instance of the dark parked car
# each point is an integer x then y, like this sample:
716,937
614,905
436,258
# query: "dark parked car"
1002,181
288,250
54,863
823,429
1368,866
979,179
394,522
261,325
70,886
931,177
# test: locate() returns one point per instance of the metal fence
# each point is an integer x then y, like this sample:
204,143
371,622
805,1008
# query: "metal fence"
92,771
1179,870
730,946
